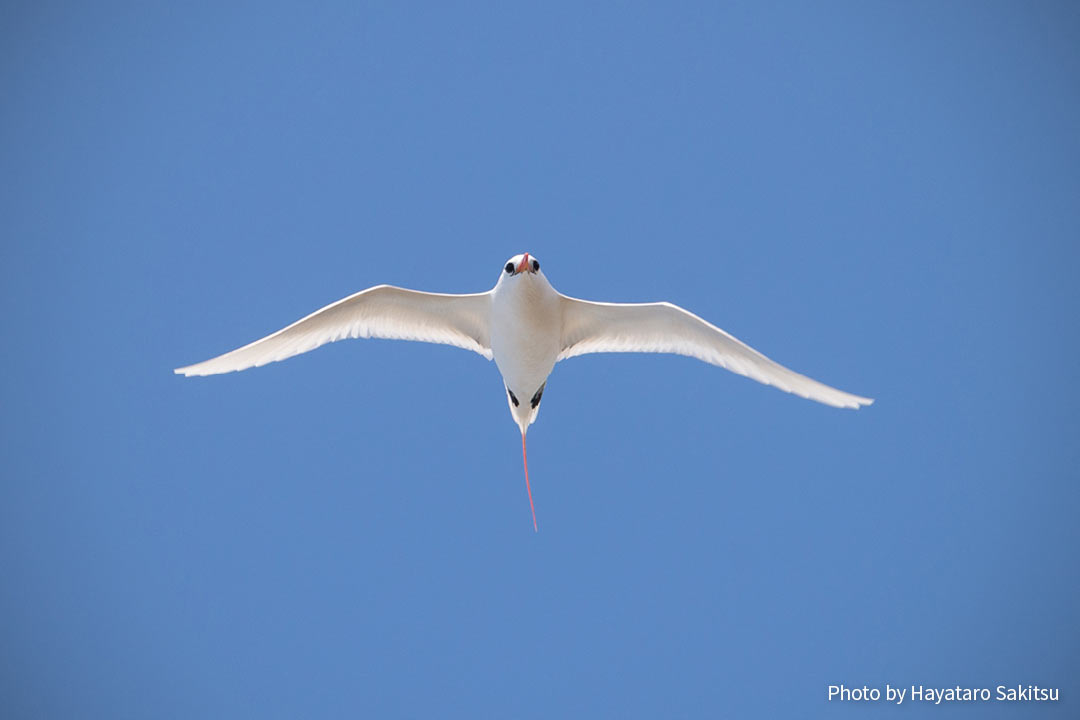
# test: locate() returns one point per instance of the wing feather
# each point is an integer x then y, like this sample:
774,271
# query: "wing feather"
383,311
594,327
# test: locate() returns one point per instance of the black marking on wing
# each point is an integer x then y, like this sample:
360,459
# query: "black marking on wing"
536,398
513,398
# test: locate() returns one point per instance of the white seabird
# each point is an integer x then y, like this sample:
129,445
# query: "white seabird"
526,326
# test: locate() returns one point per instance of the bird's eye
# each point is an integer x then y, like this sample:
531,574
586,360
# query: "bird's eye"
509,267
536,265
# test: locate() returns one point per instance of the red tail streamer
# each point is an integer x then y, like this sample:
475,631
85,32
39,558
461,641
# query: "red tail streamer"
525,457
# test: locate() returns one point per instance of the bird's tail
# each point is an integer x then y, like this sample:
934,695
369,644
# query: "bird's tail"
525,458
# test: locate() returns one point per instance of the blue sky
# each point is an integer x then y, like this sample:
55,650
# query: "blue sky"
884,196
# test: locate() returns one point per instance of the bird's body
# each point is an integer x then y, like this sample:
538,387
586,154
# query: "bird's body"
526,330
526,326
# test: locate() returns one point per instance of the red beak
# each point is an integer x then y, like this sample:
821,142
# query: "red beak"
524,263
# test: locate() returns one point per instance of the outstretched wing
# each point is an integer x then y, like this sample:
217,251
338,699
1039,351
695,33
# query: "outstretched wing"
592,327
383,311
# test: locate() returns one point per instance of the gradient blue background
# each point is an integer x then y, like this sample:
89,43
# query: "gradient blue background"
885,196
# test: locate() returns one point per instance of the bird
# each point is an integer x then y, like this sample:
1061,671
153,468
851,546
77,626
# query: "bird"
526,326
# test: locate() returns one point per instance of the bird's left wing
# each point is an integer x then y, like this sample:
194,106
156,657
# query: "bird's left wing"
593,327
383,311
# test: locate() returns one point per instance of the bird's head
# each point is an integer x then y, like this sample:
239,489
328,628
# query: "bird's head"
523,264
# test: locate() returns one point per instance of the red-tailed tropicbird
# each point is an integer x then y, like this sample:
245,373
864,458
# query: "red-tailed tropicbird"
526,326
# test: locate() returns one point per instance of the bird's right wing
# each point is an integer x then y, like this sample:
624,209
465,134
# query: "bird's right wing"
593,327
383,311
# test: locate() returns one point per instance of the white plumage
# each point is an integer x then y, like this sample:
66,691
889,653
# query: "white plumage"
383,311
526,326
